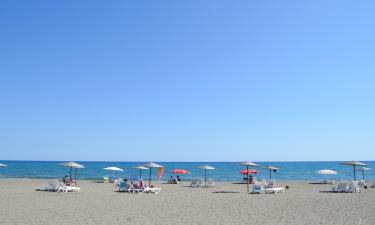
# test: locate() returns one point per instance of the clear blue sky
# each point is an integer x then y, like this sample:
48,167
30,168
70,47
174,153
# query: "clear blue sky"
215,80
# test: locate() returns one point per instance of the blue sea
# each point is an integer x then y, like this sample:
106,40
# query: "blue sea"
225,171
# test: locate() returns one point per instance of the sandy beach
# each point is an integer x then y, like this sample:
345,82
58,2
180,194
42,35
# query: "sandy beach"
227,203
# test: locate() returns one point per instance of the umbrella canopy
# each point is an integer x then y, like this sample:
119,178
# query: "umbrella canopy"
327,172
113,168
73,165
363,169
151,165
354,164
247,164
180,171
3,165
248,171
205,168
140,168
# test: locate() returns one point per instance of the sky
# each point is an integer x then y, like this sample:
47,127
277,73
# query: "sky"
197,80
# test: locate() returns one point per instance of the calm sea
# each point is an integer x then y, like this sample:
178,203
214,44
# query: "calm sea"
225,171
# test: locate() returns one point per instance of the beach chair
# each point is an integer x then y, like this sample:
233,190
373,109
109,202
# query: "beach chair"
258,188
64,188
152,190
194,183
53,185
105,179
121,185
362,184
341,187
353,187
210,182
271,184
274,190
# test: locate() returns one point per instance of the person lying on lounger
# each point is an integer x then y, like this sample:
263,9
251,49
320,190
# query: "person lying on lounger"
67,181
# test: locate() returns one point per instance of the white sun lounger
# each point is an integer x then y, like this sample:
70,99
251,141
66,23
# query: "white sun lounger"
53,185
274,190
64,188
210,182
343,186
353,187
195,183
152,190
258,188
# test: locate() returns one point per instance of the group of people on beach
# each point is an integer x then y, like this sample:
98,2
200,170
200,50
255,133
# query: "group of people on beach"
173,180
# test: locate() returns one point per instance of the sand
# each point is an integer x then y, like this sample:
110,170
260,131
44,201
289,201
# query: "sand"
97,203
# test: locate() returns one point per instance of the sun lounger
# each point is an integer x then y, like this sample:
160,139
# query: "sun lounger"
257,188
152,190
64,188
271,184
53,185
343,186
353,187
195,183
274,190
362,184
210,182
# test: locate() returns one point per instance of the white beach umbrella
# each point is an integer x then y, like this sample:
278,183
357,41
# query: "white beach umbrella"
73,165
140,168
354,164
113,168
363,169
151,165
247,164
205,168
327,172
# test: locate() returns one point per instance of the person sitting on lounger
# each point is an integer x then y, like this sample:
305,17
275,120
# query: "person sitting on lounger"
170,180
67,181
128,184
178,179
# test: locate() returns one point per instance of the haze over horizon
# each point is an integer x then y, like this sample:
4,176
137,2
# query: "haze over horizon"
187,81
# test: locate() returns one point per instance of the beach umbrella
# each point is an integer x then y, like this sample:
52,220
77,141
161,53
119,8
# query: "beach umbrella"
205,168
180,171
140,168
327,172
363,169
112,168
244,172
271,169
354,164
73,165
247,164
151,165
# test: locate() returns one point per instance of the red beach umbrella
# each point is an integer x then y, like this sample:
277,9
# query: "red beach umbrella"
180,171
248,171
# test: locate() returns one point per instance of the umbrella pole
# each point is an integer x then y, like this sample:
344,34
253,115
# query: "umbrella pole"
270,175
70,173
354,173
363,174
140,174
247,181
149,180
75,178
205,178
